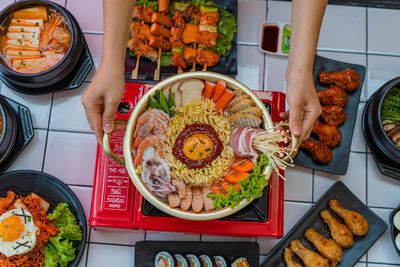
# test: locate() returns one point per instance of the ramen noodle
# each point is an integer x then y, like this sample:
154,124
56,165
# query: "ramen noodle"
34,39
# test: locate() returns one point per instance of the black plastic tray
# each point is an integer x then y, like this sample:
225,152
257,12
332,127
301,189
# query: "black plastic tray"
146,251
393,230
25,133
227,65
341,153
312,219
52,190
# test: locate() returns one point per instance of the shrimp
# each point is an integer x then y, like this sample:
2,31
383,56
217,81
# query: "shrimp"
6,201
149,141
146,116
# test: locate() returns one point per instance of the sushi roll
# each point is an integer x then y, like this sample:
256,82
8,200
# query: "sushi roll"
193,261
180,261
219,261
205,261
164,259
240,262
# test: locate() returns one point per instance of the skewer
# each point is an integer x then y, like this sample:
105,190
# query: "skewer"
205,67
135,71
180,70
157,71
194,46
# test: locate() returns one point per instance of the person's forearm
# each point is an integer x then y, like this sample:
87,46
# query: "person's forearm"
117,18
307,17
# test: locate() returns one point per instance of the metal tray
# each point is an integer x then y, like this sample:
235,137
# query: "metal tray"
146,251
312,219
227,65
341,153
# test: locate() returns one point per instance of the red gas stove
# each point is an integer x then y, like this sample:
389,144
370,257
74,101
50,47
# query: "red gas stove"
116,203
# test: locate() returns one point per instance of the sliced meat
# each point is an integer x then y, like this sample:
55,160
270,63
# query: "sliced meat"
181,187
174,200
43,203
208,202
197,203
186,202
242,142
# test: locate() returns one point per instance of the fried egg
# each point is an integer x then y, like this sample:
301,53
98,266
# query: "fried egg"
17,232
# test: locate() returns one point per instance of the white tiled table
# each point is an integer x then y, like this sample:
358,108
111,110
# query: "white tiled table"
65,147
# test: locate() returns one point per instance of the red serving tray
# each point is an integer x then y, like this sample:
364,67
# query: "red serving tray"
116,203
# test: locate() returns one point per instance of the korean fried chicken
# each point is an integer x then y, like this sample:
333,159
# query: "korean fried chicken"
347,79
333,115
326,247
309,258
327,134
288,256
319,151
339,232
333,96
357,224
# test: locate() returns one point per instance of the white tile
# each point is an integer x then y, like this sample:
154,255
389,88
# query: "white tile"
358,143
343,28
381,69
60,2
360,264
355,178
39,105
82,9
383,191
292,214
107,255
250,67
95,43
171,236
32,156
68,112
249,29
383,30
383,251
222,238
82,263
5,3
275,69
360,59
381,265
71,157
279,11
84,194
298,184
117,236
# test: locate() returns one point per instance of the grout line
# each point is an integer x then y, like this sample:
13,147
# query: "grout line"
382,263
111,244
47,133
88,246
380,207
246,44
357,52
39,128
70,131
92,32
66,2
359,152
298,201
81,185
312,186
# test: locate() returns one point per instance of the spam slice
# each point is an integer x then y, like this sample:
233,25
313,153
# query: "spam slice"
243,104
247,120
252,110
236,100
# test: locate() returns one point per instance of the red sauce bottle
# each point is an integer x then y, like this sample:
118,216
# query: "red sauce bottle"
270,38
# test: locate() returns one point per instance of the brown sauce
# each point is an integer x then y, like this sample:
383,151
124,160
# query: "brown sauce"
270,38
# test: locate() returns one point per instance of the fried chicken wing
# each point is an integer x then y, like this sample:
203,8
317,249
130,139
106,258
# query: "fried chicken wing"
319,151
327,134
347,79
309,258
207,57
142,13
288,256
326,247
333,115
178,60
339,232
333,96
357,224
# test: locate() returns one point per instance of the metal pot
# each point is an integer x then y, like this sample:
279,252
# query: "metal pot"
141,106
9,133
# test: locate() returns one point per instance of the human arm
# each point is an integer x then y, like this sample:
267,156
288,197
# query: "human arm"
104,93
303,102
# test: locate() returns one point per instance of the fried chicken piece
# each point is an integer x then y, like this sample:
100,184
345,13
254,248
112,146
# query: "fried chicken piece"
333,115
333,96
328,134
339,232
309,258
288,256
207,57
178,20
347,79
189,55
357,224
142,13
175,38
326,247
208,38
319,151
140,31
178,60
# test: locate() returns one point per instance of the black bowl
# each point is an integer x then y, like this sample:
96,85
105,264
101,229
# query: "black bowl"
9,133
385,152
62,68
394,230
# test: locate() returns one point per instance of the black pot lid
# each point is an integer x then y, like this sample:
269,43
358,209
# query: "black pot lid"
8,137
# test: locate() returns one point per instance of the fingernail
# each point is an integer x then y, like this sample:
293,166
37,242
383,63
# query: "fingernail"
107,127
296,130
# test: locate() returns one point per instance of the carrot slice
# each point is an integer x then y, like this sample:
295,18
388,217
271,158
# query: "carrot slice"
234,176
219,90
209,89
225,184
224,100
216,188
243,165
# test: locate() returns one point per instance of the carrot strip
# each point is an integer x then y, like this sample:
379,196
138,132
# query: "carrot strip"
224,100
234,176
225,184
219,90
243,165
216,188
209,89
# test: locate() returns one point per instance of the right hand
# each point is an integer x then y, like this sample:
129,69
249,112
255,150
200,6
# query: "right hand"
101,100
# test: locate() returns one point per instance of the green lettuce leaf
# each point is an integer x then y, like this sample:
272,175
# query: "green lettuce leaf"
151,4
227,29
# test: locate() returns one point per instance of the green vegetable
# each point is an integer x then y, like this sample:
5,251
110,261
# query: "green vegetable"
180,6
166,59
154,103
164,103
227,29
251,188
208,9
178,50
390,109
151,4
171,103
198,3
60,249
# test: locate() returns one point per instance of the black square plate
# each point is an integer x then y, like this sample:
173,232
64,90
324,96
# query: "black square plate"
312,219
341,153
146,251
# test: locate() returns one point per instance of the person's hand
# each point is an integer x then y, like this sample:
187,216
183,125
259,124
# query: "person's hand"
304,106
101,100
